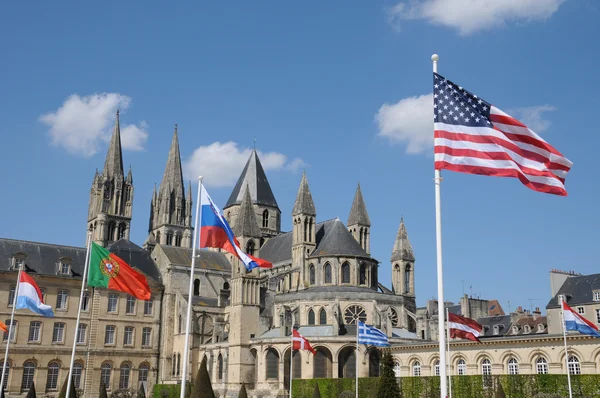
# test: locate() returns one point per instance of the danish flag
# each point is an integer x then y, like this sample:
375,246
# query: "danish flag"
300,343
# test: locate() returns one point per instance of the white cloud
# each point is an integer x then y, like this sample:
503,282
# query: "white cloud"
532,117
409,120
81,124
469,16
222,163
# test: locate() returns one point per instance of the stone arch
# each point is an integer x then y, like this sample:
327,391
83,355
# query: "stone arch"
345,271
272,363
572,351
507,355
327,274
535,354
347,362
362,274
481,355
121,231
265,218
432,360
311,275
297,367
254,353
310,317
322,316
322,363
414,358
374,362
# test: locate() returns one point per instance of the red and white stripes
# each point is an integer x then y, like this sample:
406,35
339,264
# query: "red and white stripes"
506,148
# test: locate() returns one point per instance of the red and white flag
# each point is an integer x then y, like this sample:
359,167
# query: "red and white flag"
463,328
300,343
472,136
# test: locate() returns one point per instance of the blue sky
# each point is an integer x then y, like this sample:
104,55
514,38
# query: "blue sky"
308,81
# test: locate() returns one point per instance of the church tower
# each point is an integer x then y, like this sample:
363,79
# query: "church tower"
359,223
403,264
244,310
304,216
171,208
111,196
263,201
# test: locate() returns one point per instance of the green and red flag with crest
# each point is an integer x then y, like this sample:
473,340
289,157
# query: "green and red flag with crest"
110,271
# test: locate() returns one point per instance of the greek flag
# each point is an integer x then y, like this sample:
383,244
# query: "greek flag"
371,335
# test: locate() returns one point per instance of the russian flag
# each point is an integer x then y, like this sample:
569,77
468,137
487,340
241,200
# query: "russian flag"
30,296
215,232
574,321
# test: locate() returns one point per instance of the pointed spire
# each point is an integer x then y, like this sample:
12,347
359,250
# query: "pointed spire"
173,177
189,193
304,203
358,211
113,165
246,223
255,178
129,176
402,247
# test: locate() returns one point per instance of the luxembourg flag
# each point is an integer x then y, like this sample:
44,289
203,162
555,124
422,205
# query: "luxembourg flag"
574,321
215,232
30,296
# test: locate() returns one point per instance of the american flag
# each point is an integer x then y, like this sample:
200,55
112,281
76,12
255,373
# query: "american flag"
473,136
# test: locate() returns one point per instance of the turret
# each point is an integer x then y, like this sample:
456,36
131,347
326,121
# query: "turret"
403,262
304,216
359,223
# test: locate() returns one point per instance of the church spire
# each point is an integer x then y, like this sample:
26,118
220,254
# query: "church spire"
113,165
304,202
402,247
246,223
173,177
358,211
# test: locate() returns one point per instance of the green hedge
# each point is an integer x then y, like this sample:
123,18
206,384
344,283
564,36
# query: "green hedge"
171,390
515,386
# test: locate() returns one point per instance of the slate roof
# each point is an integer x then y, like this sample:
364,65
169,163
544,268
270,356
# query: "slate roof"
173,177
246,223
43,258
578,289
254,176
488,323
402,247
358,211
304,203
278,249
207,259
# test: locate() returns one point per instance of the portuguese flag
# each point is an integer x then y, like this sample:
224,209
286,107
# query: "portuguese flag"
109,271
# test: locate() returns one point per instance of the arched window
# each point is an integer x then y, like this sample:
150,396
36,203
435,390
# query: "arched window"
310,229
462,367
77,371
374,363
178,240
322,317
363,275
513,366
345,273
52,378
436,368
265,219
397,369
360,237
541,366
178,364
174,371
180,323
143,373
347,363
121,231
311,275
272,363
158,237
220,367
407,279
322,363
111,231
196,287
170,238
311,317
305,229
486,371
416,368
225,285
6,373
105,372
574,367
250,247
327,273
28,372
124,376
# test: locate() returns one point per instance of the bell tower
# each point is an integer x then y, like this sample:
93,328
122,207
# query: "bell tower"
359,223
304,216
111,196
403,264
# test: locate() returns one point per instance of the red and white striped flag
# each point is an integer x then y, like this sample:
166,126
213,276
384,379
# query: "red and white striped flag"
473,136
300,343
463,328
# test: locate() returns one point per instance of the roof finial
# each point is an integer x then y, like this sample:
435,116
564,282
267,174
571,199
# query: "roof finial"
117,112
255,144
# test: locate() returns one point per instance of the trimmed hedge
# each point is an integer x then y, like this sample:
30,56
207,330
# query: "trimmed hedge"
170,390
367,387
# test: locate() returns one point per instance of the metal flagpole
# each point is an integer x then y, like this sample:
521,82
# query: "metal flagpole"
440,274
562,315
291,359
10,328
85,270
356,370
449,365
191,291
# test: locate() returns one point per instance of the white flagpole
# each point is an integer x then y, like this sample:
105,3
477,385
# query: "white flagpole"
449,365
191,291
291,360
440,274
356,370
564,326
83,280
10,328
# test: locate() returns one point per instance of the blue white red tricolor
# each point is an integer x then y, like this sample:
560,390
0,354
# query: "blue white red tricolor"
574,321
215,232
473,136
30,296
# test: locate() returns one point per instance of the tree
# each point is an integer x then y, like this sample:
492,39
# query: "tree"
31,393
243,393
63,391
316,391
103,393
202,387
500,391
388,386
141,392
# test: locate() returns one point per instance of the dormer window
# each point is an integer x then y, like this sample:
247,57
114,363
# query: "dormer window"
596,295
64,266
541,327
515,329
496,329
18,259
527,329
